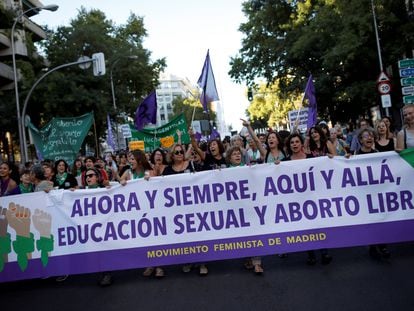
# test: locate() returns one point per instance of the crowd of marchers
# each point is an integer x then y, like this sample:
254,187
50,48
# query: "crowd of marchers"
89,172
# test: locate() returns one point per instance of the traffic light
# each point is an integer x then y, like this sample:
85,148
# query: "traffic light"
250,94
98,64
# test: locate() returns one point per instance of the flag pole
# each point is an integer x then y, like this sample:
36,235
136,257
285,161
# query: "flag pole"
295,127
96,138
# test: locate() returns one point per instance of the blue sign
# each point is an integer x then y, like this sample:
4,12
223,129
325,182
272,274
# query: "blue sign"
406,72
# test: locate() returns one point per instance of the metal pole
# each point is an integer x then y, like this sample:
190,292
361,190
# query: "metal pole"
387,113
113,91
22,119
51,7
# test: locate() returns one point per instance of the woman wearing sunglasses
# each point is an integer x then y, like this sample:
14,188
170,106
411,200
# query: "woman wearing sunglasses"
178,163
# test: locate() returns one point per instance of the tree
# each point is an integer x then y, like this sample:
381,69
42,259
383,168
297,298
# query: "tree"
332,39
73,91
270,107
188,106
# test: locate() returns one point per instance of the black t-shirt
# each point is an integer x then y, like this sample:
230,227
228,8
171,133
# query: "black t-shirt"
170,171
211,163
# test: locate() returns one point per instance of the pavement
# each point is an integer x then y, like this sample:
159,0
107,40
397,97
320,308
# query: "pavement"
353,281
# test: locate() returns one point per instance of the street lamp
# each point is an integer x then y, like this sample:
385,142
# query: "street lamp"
113,88
82,60
387,113
50,7
111,76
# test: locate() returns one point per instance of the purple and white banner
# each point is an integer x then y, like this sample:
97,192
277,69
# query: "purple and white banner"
214,215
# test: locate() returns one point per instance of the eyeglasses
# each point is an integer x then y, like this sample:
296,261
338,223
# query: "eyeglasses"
90,175
177,152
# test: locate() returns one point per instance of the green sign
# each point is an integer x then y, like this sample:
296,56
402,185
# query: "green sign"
61,138
164,136
409,62
407,81
408,99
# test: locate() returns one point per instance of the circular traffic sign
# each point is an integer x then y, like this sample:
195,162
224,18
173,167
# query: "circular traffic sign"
384,87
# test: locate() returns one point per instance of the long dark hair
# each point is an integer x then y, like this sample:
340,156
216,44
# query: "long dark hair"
141,159
312,144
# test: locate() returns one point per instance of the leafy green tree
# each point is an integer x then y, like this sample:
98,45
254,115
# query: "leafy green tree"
73,91
332,39
191,105
270,107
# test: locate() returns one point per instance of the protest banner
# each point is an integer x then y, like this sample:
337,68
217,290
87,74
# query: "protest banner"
164,136
212,215
302,114
61,138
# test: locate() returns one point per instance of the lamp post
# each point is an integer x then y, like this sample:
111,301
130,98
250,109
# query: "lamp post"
387,113
113,88
50,7
26,101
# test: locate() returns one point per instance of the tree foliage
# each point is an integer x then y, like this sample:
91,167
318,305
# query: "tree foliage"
189,106
332,39
74,91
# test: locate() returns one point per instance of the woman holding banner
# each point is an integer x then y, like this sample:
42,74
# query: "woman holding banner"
319,145
180,165
296,151
94,180
158,160
273,151
63,179
140,168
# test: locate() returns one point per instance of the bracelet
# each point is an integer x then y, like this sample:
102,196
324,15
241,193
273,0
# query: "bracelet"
22,246
45,245
5,248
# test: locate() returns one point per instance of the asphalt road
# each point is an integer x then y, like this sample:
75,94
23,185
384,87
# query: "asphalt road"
353,281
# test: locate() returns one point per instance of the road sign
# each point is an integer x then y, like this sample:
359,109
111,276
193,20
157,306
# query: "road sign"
386,100
407,81
384,87
408,99
408,90
383,77
408,62
406,72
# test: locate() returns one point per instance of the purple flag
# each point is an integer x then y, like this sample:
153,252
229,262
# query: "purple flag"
147,111
313,109
111,142
214,134
208,84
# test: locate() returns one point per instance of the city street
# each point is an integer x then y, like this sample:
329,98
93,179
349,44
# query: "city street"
353,281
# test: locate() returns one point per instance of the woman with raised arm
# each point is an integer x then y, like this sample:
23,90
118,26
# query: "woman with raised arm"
214,157
139,167
273,151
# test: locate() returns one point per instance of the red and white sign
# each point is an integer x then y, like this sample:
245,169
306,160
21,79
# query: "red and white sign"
383,77
384,87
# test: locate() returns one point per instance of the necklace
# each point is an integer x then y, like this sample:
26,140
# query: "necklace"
179,168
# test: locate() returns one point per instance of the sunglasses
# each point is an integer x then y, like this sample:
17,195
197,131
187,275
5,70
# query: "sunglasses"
177,152
90,175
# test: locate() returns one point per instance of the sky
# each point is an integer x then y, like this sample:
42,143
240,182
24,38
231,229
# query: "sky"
181,31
